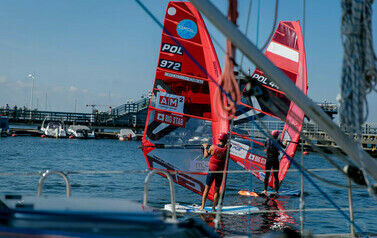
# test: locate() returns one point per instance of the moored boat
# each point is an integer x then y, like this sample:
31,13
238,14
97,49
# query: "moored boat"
53,128
4,126
80,132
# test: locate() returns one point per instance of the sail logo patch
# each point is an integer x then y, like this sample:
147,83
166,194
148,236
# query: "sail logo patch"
170,102
194,80
187,29
169,64
170,119
238,149
258,159
172,11
174,49
199,166
264,80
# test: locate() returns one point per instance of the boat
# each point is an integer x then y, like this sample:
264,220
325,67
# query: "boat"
53,128
286,50
182,111
126,134
80,132
4,126
58,216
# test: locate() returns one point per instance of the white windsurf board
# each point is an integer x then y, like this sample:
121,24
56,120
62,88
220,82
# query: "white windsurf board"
229,210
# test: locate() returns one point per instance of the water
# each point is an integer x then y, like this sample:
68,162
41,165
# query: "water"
24,154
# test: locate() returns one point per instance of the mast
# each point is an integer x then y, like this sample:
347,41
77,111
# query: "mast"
293,93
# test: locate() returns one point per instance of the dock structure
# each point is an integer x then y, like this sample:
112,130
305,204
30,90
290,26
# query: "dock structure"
134,114
129,115
329,108
320,138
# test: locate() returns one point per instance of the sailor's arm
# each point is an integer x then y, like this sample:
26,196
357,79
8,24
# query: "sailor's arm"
207,150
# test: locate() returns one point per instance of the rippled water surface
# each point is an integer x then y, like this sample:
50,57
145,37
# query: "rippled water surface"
25,154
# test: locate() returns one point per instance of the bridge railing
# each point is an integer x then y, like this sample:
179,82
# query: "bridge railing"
367,128
133,107
328,106
101,118
35,115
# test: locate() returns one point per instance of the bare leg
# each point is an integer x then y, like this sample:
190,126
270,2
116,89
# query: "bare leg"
216,198
205,195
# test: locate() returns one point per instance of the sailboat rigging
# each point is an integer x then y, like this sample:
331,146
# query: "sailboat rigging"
286,51
180,116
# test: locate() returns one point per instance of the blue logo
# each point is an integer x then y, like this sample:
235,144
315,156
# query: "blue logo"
187,29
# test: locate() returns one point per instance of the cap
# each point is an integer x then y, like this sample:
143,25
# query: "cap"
223,136
275,133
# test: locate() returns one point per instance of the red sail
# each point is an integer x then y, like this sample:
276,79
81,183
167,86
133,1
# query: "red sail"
286,51
181,113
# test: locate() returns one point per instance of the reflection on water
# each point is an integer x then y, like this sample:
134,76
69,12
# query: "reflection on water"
275,218
210,220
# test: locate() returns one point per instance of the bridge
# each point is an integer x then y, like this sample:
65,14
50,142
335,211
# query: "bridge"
329,108
320,138
132,115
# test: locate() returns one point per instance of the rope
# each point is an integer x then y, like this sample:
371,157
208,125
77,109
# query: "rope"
235,102
273,26
251,172
146,171
217,219
257,33
359,73
316,186
227,80
246,29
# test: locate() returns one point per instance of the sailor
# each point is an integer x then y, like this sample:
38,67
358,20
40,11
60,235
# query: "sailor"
216,163
15,112
6,111
272,155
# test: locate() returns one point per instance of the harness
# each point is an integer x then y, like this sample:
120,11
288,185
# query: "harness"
272,149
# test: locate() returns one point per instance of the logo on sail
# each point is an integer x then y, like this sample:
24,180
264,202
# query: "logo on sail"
174,49
170,119
170,102
187,29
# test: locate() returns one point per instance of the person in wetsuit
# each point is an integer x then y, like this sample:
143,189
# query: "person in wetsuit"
216,163
272,161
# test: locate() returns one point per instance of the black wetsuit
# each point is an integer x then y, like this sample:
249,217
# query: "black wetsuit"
272,162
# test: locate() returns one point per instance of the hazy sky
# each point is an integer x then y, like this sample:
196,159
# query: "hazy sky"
105,52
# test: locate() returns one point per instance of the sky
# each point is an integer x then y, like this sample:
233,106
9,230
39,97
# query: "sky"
105,52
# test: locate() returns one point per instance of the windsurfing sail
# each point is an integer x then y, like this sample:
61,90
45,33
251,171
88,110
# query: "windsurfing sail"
286,51
181,111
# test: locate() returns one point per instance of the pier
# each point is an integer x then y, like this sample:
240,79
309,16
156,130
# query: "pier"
133,115
129,115
320,138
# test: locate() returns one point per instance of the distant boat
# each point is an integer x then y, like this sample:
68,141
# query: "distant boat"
53,128
80,132
127,134
4,126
